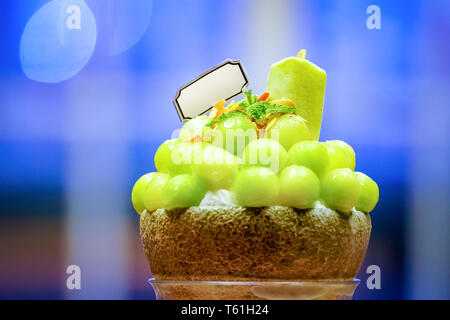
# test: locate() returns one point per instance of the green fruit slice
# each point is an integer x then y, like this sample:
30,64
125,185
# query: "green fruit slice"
266,153
234,134
311,154
196,130
183,191
289,129
163,155
299,187
341,155
184,157
140,189
154,192
218,167
256,187
369,193
341,189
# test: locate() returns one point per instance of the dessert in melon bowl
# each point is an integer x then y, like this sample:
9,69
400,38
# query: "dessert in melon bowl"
248,204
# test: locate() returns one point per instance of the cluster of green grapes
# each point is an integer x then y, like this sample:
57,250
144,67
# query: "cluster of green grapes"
293,171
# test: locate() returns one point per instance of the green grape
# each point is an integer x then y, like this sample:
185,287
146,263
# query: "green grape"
311,154
234,134
289,129
139,190
341,155
163,154
218,167
369,193
184,157
299,187
341,189
196,130
256,187
153,194
267,153
183,191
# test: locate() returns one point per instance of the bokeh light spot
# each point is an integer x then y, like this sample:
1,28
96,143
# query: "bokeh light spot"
58,41
129,21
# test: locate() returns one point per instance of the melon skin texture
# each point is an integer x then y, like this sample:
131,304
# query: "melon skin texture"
254,244
302,82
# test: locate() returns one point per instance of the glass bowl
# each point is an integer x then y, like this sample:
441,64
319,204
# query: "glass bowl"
254,290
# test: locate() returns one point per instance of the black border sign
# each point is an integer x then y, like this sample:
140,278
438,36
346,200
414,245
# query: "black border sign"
186,117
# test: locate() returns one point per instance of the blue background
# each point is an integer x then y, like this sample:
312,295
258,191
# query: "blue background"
71,151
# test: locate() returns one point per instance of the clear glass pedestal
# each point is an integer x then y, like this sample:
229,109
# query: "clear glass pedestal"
254,290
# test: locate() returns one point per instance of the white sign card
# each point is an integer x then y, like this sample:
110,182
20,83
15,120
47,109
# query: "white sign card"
224,81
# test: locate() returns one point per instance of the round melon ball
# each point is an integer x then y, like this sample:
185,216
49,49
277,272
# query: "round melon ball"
289,129
218,167
183,191
265,153
311,154
256,187
299,187
368,198
154,193
341,189
195,130
184,157
140,189
234,134
163,155
341,155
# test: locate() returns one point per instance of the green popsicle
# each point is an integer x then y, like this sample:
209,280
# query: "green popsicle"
303,82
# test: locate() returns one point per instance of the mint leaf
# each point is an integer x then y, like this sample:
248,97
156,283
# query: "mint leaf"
244,104
225,116
274,108
251,98
257,110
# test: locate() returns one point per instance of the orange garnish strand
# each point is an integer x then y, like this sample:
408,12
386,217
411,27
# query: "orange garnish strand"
220,108
283,102
263,97
271,123
230,107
